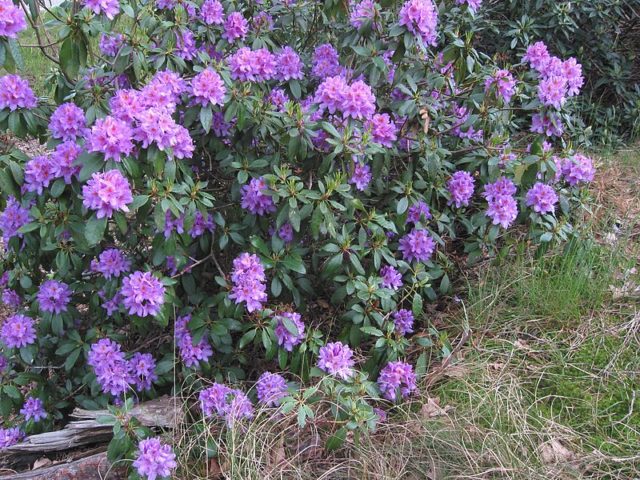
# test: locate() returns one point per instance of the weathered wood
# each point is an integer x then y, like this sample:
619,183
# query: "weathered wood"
162,412
93,467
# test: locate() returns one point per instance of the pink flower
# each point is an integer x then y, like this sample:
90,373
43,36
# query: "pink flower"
12,19
143,294
15,93
107,192
110,8
208,88
235,27
112,137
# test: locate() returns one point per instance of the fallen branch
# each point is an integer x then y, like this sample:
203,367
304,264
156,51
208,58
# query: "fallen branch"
93,467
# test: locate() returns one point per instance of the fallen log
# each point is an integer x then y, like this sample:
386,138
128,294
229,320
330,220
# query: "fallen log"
162,412
93,467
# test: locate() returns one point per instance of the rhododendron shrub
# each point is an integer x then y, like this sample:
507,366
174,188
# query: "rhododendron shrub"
233,193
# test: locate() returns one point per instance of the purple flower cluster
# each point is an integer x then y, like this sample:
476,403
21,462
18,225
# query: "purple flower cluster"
39,172
226,402
289,65
325,62
542,198
54,296
68,122
460,185
248,281
336,359
11,298
110,44
15,93
111,136
115,374
142,294
33,409
106,193
397,377
154,459
356,100
12,218
253,65
417,245
110,8
10,436
235,27
191,354
575,170
207,88
383,130
12,19
403,321
421,18
418,212
391,278
271,388
559,79
289,330
64,161
363,12
473,4
212,12
503,208
111,263
504,83
361,176
255,200
548,123
18,331
201,224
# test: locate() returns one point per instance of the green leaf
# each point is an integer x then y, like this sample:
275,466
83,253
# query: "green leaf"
403,203
57,188
336,440
14,50
12,392
247,338
90,163
94,230
72,359
206,116
70,58
416,305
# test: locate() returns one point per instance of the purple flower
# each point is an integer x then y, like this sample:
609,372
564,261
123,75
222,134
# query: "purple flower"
572,72
212,12
143,294
110,44
12,218
12,19
391,278
278,98
504,83
325,62
255,200
271,388
192,354
11,298
18,331
363,12
552,91
201,224
10,436
461,188
473,4
235,27
501,187
63,160
126,104
226,402
417,245
418,212
286,233
112,137
403,321
361,176
208,88
110,367
111,263
106,193
33,408
503,210
15,92
54,296
421,18
537,55
39,172
549,123
542,198
109,7
68,122
254,66
262,21
577,169
186,45
142,367
330,93
397,377
358,101
383,130
289,330
289,65
336,359
154,459
248,282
